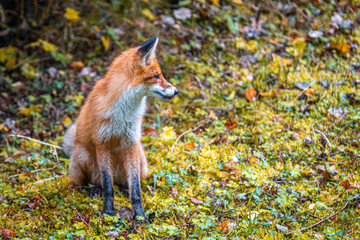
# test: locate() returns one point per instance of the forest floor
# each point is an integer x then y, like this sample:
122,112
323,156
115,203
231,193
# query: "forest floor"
262,142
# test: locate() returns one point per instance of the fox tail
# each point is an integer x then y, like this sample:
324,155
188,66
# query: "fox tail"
68,140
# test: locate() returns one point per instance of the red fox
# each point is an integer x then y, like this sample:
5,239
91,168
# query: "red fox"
105,142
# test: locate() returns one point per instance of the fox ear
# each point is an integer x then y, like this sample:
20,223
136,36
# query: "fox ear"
146,50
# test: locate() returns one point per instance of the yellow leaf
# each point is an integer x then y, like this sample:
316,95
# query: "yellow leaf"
47,46
67,121
221,174
28,111
71,14
8,56
342,47
240,43
28,71
106,42
299,45
148,14
78,99
237,1
216,2
287,61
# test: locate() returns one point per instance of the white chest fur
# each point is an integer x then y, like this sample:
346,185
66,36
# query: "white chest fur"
125,116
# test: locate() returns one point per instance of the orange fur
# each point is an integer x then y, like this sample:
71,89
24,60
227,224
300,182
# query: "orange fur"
117,153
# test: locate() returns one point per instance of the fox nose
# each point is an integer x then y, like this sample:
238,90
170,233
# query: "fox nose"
176,92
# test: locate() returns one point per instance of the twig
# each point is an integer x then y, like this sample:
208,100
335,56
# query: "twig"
191,129
80,217
313,215
87,231
302,92
321,221
37,170
35,140
324,137
42,181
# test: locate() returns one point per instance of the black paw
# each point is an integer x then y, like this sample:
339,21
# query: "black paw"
94,192
124,190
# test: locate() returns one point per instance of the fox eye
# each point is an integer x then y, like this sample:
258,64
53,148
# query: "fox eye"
157,76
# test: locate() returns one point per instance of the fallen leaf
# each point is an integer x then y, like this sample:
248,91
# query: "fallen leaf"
148,14
221,174
30,110
6,233
67,121
71,14
346,184
230,124
148,131
312,206
169,111
9,210
341,47
299,45
182,13
190,145
223,226
212,115
106,42
19,153
250,94
196,201
18,85
77,65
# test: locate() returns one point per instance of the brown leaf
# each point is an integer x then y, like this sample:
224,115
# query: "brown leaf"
190,145
19,153
346,184
6,233
9,210
196,201
250,94
77,65
227,167
17,85
223,226
169,111
148,131
230,124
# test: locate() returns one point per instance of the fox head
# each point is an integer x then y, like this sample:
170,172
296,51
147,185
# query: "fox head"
148,73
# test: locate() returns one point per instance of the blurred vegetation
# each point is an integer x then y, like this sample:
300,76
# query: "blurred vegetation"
262,140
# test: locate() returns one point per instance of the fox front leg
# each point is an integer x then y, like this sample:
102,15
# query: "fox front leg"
103,158
133,178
